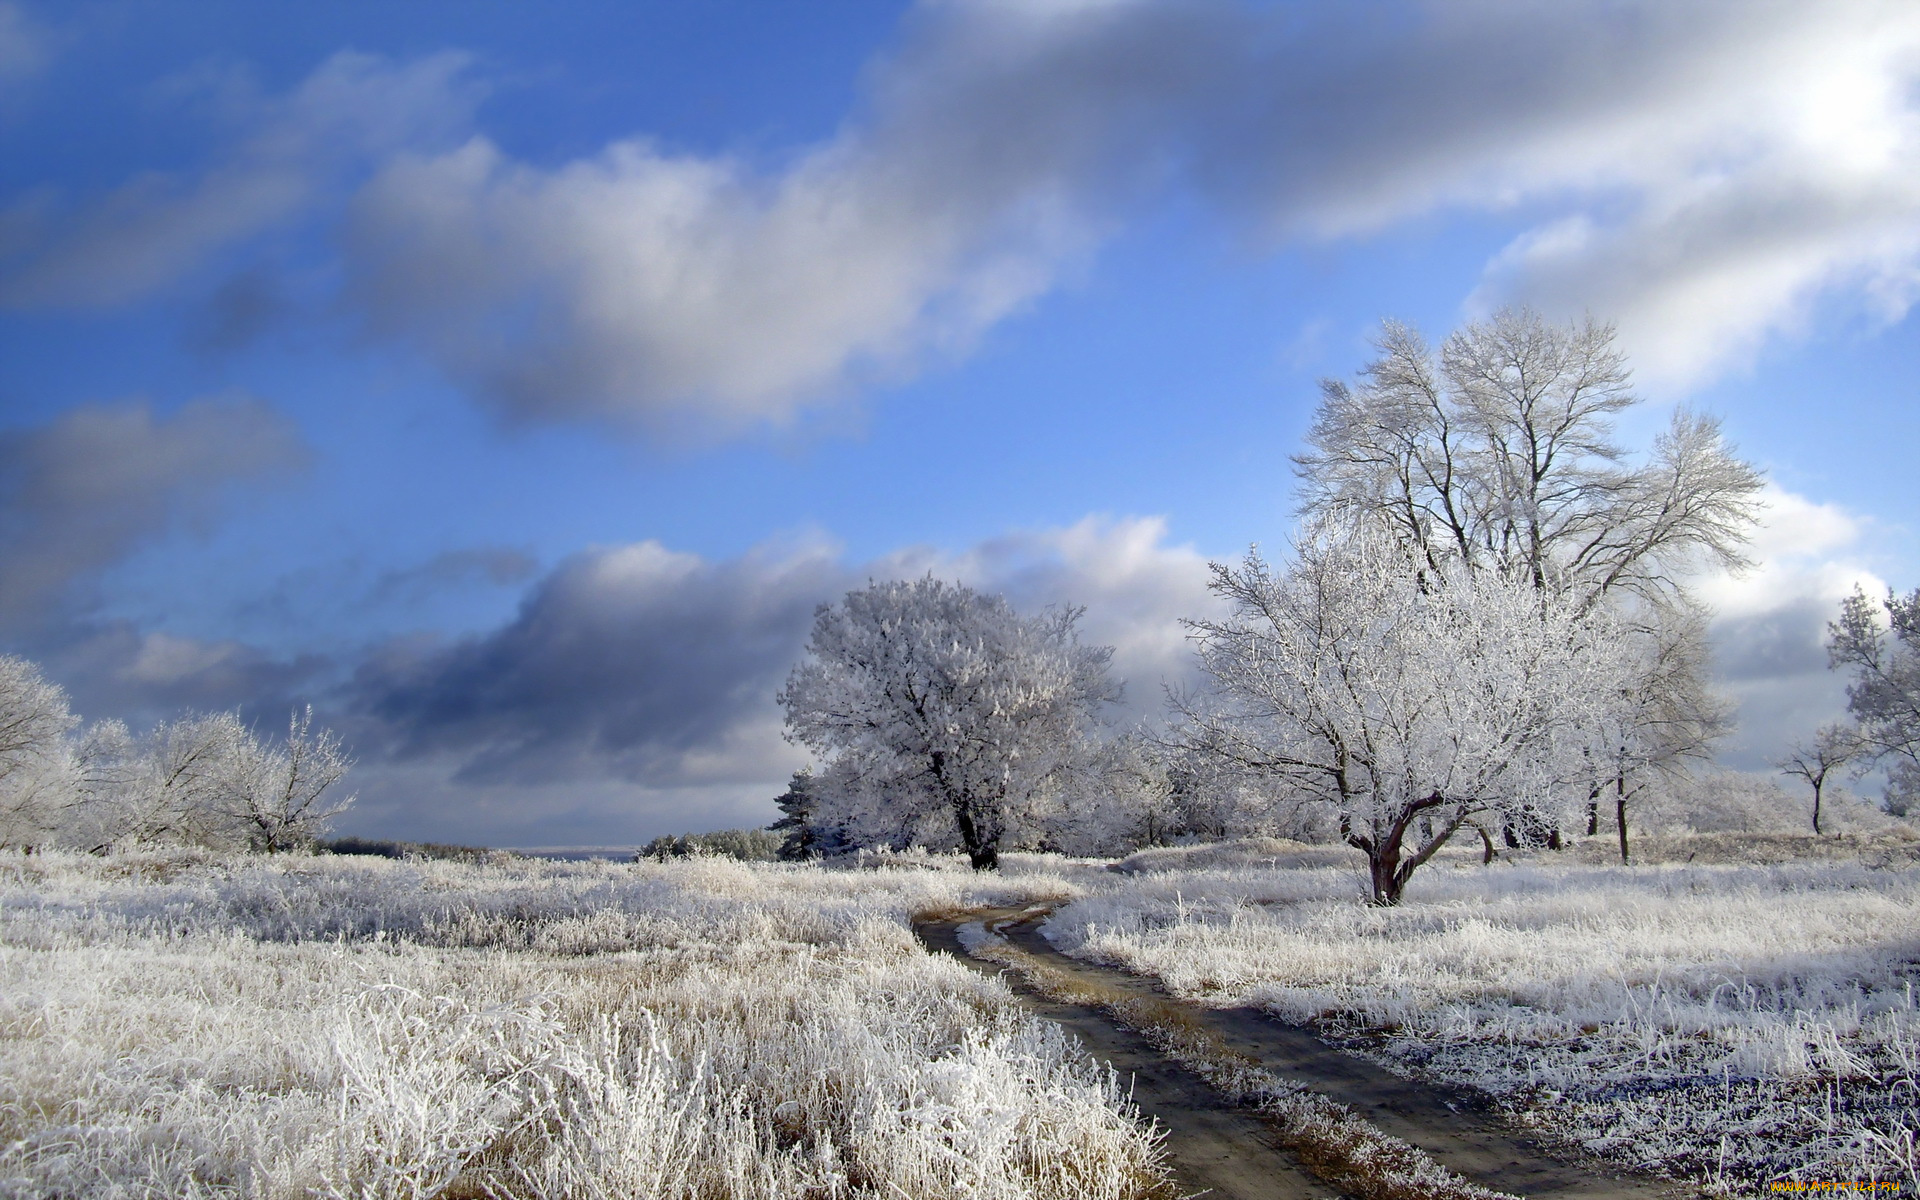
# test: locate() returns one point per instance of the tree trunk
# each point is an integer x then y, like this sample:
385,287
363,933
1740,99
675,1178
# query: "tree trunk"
1816,808
1383,868
1593,810
1486,844
1620,815
982,851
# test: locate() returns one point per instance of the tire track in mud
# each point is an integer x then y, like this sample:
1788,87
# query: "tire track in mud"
1212,1145
1216,1144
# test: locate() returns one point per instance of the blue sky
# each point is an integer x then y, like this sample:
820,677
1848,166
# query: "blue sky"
511,382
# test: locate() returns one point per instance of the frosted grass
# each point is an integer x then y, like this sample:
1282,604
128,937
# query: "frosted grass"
1727,1023
355,1028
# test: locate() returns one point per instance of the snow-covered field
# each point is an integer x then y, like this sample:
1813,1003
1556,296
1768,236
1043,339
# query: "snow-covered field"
177,1027
1717,1021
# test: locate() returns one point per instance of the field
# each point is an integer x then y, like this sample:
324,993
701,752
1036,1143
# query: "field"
182,1025
362,1028
1724,1022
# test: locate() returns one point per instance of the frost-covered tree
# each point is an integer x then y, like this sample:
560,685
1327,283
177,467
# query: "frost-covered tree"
279,797
1411,698
1832,746
170,786
34,766
202,779
944,717
1880,644
1665,718
1497,452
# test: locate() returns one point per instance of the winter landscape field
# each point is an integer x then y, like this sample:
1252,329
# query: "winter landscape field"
180,1024
1116,600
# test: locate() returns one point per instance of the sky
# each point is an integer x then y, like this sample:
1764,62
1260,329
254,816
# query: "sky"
511,382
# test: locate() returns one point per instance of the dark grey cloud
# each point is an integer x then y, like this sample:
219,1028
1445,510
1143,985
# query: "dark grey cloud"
638,684
633,663
1774,665
239,311
80,493
114,669
1770,631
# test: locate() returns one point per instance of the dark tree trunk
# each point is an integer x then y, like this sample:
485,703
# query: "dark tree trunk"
1620,815
1486,844
983,847
1816,807
1383,868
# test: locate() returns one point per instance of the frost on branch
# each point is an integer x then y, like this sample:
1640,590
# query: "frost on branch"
945,718
1410,701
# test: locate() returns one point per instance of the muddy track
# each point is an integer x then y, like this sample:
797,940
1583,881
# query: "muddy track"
1212,1145
1216,1145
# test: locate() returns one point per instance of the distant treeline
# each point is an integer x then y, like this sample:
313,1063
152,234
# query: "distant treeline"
379,848
750,845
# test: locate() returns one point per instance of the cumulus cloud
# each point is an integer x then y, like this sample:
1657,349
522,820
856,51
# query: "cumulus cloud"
80,493
1709,173
159,226
1770,624
1703,171
647,676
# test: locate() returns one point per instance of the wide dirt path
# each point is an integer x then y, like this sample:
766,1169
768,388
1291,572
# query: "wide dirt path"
1216,1145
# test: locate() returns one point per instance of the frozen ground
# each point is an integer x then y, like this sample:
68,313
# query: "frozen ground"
192,1026
351,1027
1715,1020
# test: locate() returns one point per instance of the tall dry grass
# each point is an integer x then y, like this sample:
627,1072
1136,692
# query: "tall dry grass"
350,1028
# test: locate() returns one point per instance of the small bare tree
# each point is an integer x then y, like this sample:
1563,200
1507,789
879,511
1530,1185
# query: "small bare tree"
276,798
1833,746
1666,717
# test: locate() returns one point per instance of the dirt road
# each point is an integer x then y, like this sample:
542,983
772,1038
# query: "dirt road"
1215,1144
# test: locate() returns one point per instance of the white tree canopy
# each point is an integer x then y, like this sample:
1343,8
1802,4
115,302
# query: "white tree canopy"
945,717
1498,451
1409,698
34,766
1883,652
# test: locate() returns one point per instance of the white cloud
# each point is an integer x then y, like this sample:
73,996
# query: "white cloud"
1769,627
1704,172
1712,174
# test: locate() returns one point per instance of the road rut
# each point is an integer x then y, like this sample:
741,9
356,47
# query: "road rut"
1231,1150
